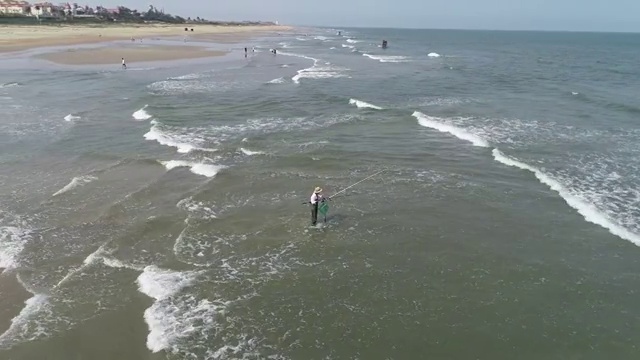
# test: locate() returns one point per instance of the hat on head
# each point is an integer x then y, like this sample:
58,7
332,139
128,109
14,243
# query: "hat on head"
317,190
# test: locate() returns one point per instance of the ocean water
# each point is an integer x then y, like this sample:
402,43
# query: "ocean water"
156,213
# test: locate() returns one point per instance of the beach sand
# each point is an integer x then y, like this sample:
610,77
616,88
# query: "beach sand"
22,37
131,54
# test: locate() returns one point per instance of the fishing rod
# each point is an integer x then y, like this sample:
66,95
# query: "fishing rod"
350,186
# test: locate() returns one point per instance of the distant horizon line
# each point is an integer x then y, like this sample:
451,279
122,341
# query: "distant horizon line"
464,29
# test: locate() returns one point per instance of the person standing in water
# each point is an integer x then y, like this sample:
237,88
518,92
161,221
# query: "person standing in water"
124,65
316,198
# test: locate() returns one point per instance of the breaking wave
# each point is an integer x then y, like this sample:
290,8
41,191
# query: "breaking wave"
141,114
317,71
573,197
71,117
361,104
249,152
440,125
387,58
208,170
75,182
181,139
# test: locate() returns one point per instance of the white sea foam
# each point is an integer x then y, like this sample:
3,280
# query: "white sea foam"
12,242
27,326
440,125
103,256
141,114
71,117
348,46
575,93
434,55
8,85
277,81
353,41
183,141
161,284
249,152
208,170
187,77
590,212
361,104
388,58
193,86
174,316
74,183
318,71
197,208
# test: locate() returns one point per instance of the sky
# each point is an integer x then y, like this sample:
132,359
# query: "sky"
571,15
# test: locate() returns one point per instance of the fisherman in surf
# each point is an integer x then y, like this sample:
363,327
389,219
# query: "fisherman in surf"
316,198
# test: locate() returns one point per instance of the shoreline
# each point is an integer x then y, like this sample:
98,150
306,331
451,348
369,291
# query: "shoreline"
73,44
18,38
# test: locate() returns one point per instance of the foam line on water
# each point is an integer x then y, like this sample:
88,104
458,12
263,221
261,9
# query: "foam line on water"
387,58
24,326
361,104
74,183
590,213
439,124
173,315
180,141
96,257
250,153
316,71
277,81
13,237
71,117
208,170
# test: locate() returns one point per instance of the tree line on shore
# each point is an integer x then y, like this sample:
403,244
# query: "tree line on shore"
123,14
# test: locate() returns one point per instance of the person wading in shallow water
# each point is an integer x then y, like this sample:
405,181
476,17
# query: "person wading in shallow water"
316,198
124,65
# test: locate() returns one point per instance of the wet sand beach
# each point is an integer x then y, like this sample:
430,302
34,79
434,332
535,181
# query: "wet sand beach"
20,37
113,54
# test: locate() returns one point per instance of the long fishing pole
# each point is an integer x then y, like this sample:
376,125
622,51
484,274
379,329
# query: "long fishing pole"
350,186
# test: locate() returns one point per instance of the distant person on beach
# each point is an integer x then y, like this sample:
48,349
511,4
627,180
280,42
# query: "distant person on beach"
245,52
124,65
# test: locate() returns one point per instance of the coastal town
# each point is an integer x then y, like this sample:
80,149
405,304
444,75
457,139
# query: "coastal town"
47,9
15,12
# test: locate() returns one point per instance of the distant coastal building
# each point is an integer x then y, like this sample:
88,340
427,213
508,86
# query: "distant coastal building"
42,9
47,9
14,7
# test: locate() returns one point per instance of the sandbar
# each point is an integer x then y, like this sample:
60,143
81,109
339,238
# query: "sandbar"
131,54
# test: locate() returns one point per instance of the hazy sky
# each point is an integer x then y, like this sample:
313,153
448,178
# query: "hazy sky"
580,15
